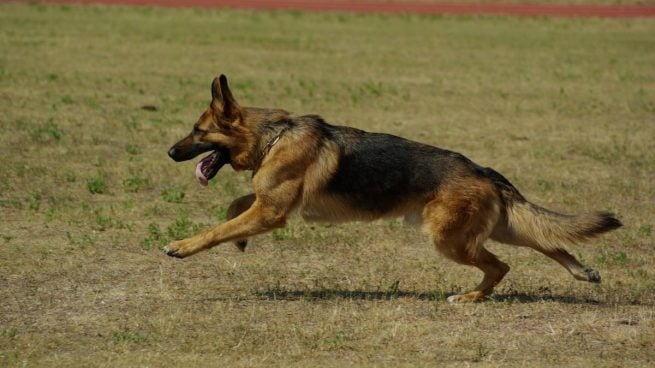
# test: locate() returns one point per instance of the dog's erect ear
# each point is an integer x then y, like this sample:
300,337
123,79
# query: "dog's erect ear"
222,99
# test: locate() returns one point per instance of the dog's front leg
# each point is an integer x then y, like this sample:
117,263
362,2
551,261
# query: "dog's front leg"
274,200
256,220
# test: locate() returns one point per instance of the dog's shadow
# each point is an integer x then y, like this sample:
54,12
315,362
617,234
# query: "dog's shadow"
328,294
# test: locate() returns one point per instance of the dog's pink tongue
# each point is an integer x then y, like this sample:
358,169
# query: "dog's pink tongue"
200,176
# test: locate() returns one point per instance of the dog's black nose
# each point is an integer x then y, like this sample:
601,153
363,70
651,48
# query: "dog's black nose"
172,152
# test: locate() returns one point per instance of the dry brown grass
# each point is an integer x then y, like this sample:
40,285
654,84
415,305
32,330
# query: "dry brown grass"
564,108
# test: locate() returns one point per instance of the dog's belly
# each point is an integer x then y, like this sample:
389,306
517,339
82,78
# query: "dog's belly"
333,208
329,209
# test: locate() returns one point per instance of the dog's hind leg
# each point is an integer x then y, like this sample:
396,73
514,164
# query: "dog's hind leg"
494,271
237,207
577,270
459,220
503,235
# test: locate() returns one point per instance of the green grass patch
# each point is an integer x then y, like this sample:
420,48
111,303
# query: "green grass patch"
135,183
96,185
182,228
173,195
155,238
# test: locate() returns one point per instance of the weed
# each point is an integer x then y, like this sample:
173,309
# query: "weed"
280,234
47,131
7,238
621,258
70,177
627,238
131,337
645,230
154,239
51,213
84,240
337,341
44,253
128,205
96,185
172,195
12,203
438,295
154,210
182,228
66,99
8,332
372,88
104,222
480,353
545,186
601,259
35,201
393,288
54,131
395,224
220,213
132,149
135,183
131,124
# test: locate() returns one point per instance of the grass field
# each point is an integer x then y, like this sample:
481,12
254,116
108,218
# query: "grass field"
564,108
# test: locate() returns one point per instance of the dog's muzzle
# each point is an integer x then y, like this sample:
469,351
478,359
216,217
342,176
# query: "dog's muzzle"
173,153
186,150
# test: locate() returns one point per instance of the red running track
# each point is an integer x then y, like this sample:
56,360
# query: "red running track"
546,10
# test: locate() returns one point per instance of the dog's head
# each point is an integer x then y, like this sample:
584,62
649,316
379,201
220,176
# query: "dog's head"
222,129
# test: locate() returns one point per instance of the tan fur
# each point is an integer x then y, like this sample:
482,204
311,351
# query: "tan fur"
459,219
526,224
532,226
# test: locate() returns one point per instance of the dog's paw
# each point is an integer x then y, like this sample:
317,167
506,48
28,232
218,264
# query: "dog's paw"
241,244
592,275
178,249
472,297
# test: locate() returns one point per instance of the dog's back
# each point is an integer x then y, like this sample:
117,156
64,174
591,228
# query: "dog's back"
377,171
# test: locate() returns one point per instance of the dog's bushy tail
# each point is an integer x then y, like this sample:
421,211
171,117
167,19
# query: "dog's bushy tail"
528,224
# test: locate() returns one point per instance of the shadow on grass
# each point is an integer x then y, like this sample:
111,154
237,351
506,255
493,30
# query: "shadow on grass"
348,294
531,298
329,294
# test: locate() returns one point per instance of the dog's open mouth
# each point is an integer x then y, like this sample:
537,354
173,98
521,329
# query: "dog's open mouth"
208,167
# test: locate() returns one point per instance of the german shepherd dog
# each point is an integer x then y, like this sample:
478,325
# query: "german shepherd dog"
336,173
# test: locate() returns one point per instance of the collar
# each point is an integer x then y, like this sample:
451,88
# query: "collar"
267,148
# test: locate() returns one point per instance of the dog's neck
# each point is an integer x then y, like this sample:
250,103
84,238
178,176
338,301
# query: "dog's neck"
270,139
